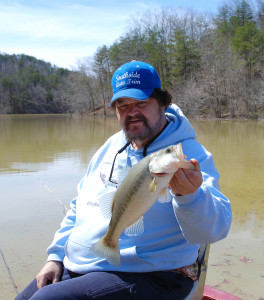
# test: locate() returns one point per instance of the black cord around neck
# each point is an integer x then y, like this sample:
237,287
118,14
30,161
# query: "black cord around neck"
146,146
118,152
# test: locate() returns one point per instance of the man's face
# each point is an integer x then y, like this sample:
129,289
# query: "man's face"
141,120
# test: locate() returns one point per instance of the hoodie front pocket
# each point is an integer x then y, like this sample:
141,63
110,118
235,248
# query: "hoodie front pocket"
79,254
132,261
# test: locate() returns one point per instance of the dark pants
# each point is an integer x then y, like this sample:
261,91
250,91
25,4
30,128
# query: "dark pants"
112,285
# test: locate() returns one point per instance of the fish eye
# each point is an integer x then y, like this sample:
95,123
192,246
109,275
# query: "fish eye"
168,150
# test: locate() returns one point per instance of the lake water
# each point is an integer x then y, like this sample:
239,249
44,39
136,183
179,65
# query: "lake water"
42,159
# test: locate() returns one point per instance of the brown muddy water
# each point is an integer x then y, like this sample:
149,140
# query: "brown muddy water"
42,159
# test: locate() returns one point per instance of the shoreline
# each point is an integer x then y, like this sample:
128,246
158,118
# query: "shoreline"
111,114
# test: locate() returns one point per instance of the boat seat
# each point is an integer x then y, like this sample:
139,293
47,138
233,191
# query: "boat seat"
198,288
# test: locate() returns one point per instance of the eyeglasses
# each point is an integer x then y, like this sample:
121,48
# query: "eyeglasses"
113,165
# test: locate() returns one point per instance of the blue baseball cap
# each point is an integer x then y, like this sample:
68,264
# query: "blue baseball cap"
136,80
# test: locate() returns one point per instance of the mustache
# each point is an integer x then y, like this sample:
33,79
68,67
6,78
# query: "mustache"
135,118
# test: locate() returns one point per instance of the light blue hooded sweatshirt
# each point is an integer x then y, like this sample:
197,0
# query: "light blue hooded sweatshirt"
173,231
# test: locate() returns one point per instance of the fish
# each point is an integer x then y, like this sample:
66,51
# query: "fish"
146,182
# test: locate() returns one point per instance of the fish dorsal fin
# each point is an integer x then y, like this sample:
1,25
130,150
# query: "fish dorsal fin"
135,229
106,204
180,153
153,186
164,196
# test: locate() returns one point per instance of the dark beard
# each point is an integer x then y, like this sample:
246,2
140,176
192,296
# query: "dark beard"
147,134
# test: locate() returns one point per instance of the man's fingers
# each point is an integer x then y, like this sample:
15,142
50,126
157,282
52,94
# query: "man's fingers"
41,282
187,181
180,184
50,273
56,279
185,184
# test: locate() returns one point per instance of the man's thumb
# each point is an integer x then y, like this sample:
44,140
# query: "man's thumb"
196,164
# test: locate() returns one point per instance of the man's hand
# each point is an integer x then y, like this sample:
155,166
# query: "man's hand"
186,181
50,273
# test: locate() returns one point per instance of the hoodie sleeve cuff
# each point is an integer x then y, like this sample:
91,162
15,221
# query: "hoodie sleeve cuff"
55,256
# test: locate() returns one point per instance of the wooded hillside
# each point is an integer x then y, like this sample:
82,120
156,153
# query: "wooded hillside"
29,85
211,64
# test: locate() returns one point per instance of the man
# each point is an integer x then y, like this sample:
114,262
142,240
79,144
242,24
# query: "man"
160,263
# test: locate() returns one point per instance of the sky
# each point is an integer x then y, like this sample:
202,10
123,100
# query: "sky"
64,32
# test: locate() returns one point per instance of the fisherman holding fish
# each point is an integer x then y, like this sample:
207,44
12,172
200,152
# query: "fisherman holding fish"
149,198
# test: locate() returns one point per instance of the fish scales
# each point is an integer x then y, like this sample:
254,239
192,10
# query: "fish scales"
130,187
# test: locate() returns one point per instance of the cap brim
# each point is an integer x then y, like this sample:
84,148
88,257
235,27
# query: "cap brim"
132,93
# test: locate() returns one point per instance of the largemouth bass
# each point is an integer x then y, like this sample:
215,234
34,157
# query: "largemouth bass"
144,184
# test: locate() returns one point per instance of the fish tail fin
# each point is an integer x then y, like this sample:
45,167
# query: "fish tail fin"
111,253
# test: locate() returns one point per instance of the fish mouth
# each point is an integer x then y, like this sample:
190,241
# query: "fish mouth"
159,174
